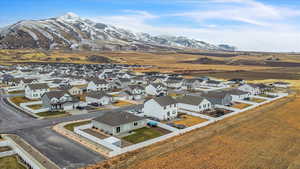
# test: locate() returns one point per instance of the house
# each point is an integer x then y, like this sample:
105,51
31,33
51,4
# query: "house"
162,108
214,83
190,84
254,89
156,89
59,100
98,85
35,91
237,94
175,83
194,103
75,90
100,98
218,97
281,84
116,123
136,89
237,81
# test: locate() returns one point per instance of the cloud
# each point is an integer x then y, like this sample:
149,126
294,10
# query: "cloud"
256,27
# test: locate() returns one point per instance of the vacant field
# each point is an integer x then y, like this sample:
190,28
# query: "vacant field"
188,120
264,138
10,162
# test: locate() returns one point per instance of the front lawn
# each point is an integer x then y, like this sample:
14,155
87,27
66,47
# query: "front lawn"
72,125
20,99
52,114
17,92
189,120
35,106
121,103
10,162
143,134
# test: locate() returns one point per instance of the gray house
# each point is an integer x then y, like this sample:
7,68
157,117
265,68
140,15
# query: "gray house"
59,100
218,97
116,123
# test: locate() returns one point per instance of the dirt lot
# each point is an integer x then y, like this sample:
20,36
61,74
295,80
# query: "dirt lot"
261,138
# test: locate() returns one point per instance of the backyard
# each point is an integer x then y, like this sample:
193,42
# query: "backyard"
143,134
10,162
189,120
257,100
241,105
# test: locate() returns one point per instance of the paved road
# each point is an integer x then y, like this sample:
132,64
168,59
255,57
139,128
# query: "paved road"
61,150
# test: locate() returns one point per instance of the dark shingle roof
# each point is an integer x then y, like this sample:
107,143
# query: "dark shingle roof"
118,118
236,92
55,94
38,86
165,100
192,100
96,95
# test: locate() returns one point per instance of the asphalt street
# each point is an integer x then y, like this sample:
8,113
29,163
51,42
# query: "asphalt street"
59,149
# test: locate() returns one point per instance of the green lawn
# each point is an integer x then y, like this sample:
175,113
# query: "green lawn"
52,114
143,134
10,162
72,125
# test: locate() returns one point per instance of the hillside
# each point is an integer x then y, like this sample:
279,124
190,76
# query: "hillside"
73,32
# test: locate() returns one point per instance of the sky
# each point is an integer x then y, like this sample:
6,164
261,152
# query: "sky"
252,25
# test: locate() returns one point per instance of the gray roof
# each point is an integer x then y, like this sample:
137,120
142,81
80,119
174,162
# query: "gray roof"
236,92
38,86
96,95
215,94
165,100
55,94
192,100
118,118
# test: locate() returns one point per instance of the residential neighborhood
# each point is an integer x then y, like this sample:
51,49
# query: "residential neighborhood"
126,110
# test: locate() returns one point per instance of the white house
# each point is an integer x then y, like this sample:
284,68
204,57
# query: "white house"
59,100
98,85
35,91
162,108
98,97
251,88
174,83
155,89
237,94
194,103
281,84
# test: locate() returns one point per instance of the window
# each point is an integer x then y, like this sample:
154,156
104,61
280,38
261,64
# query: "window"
118,129
135,123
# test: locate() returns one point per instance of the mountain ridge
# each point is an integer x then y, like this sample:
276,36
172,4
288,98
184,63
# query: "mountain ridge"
70,31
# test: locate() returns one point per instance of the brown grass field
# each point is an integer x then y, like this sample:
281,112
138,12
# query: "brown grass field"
264,138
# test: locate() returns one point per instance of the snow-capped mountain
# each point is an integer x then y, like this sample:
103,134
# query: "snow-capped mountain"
72,32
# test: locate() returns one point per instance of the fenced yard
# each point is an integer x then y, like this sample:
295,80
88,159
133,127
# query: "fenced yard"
143,134
188,120
76,124
19,99
240,105
11,162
